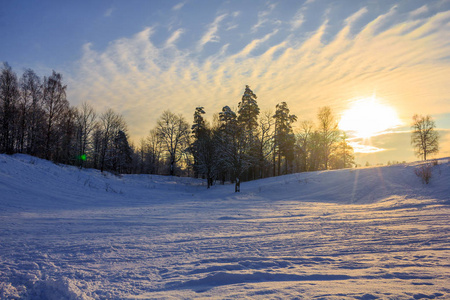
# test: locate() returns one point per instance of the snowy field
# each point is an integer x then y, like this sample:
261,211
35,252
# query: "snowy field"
370,233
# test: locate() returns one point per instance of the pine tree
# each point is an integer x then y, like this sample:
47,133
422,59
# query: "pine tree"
248,111
232,147
122,153
247,120
284,137
198,134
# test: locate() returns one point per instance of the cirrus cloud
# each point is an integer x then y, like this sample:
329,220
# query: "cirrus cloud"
405,63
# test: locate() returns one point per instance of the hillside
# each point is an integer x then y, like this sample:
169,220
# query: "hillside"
364,233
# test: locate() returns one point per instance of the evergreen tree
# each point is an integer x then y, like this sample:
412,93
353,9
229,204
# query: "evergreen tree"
247,120
233,146
248,111
198,134
122,158
284,136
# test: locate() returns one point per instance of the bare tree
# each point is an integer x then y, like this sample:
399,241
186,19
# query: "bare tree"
55,106
173,131
31,97
85,122
9,94
265,140
153,152
328,128
304,144
110,125
424,137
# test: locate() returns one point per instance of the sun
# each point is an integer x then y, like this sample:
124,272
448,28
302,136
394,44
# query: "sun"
368,117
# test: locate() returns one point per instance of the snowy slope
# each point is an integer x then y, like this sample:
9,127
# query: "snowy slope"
364,233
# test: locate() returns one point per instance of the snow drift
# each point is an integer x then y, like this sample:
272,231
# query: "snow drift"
363,233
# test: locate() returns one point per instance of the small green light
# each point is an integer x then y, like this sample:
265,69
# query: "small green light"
82,157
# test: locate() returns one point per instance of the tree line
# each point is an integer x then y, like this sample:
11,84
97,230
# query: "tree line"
37,119
238,145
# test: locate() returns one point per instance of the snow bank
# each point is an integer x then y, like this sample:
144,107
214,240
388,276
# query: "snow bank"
363,233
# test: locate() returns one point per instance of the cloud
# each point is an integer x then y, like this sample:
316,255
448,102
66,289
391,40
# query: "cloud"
263,17
109,12
298,19
419,11
210,35
174,37
406,63
178,6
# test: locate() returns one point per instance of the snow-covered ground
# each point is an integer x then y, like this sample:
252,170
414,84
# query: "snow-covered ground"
371,233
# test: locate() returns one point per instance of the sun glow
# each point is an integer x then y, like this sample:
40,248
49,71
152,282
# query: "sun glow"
368,117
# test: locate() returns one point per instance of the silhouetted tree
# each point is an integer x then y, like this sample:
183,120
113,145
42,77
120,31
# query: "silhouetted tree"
247,120
121,153
173,131
85,124
284,136
424,137
233,147
31,97
109,126
55,106
9,96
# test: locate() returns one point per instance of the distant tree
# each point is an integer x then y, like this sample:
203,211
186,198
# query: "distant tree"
122,153
284,136
85,124
96,140
304,145
265,145
173,131
204,148
153,152
31,97
342,157
328,129
65,149
233,147
247,119
248,111
198,134
424,137
110,124
9,96
55,106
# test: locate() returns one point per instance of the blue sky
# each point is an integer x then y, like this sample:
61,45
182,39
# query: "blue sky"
142,57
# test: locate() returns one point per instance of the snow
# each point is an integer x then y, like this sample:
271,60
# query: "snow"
368,233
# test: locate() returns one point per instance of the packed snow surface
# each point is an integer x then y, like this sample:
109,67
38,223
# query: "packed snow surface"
370,233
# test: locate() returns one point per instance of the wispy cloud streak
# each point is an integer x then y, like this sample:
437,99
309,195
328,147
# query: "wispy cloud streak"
406,63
